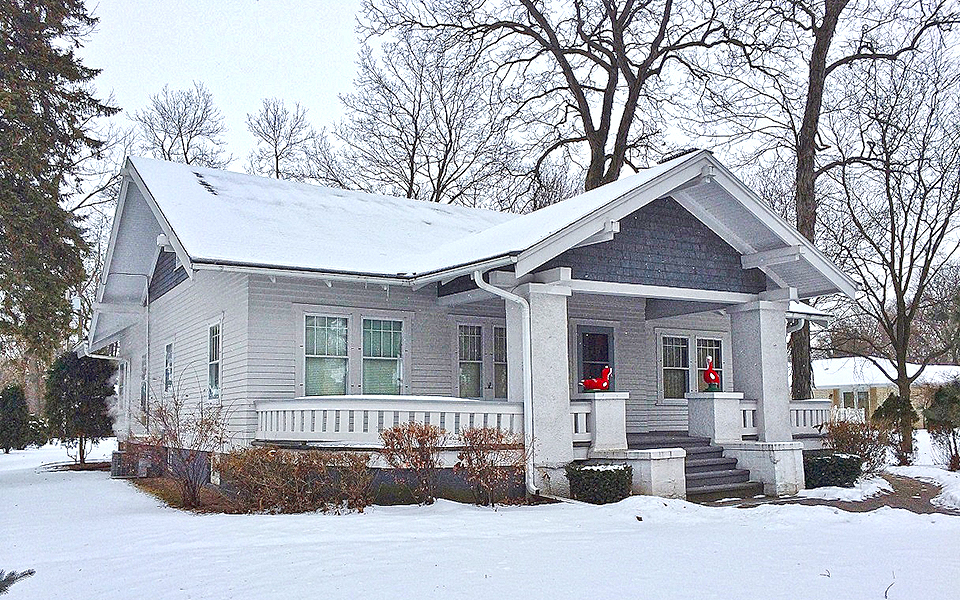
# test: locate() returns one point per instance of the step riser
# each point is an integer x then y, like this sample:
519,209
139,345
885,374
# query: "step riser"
742,491
719,464
693,484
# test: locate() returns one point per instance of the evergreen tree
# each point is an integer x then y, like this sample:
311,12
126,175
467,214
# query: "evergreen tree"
14,419
898,415
943,423
46,110
76,400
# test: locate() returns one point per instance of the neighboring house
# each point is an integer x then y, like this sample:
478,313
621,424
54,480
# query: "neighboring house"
856,386
320,316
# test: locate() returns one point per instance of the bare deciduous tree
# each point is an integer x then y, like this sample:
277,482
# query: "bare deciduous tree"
772,86
586,76
284,139
183,126
896,214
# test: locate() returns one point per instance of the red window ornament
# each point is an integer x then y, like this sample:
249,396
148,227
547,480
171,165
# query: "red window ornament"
600,384
711,377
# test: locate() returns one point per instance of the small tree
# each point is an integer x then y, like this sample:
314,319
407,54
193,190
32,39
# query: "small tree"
898,416
192,433
14,419
943,423
76,401
416,446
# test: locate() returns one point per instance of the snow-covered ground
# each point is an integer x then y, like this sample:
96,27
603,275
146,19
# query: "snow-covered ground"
866,487
89,536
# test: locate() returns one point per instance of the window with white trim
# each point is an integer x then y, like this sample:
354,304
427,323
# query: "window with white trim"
594,352
213,362
470,361
325,355
683,361
168,368
382,352
500,362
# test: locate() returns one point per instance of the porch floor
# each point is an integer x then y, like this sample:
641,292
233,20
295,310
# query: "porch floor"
710,476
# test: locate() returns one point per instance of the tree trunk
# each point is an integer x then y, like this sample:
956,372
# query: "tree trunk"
82,452
906,423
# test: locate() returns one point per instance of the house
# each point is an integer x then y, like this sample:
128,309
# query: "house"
856,386
320,316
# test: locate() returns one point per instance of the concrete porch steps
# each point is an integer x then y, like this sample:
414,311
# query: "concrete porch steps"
709,475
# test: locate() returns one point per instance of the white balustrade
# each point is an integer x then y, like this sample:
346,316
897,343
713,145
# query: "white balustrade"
748,417
854,415
582,430
808,416
358,420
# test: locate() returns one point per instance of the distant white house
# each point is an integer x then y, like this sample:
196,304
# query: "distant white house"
320,316
857,386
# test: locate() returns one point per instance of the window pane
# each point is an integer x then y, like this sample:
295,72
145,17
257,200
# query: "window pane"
500,380
213,380
470,342
596,347
848,399
711,348
381,376
675,383
325,376
499,344
470,384
676,352
214,343
382,338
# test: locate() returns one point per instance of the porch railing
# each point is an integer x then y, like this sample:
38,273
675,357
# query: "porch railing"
806,417
360,419
582,425
854,415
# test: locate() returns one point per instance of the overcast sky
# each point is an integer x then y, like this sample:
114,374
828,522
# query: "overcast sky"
243,50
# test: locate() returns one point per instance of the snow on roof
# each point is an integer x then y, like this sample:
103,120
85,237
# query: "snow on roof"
829,373
222,216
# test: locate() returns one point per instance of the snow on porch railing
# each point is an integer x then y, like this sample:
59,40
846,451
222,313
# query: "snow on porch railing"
582,427
360,419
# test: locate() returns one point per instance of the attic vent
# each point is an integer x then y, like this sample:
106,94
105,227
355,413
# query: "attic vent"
206,185
676,154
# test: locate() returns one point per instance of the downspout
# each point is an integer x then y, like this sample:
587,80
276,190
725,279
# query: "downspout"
532,488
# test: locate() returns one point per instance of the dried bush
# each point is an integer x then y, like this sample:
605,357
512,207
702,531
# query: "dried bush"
354,483
416,446
865,440
490,459
278,481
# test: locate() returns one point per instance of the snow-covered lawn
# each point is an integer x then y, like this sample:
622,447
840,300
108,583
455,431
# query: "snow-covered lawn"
89,536
866,487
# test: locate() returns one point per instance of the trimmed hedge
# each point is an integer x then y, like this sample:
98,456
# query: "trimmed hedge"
824,468
599,484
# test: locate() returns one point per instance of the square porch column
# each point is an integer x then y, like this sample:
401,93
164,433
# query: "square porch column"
552,424
759,339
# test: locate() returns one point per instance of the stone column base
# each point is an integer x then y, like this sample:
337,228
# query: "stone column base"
656,472
715,415
609,420
778,465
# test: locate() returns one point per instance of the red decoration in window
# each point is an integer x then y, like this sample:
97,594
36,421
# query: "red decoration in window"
599,384
711,377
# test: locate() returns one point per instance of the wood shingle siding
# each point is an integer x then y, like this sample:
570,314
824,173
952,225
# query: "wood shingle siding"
166,275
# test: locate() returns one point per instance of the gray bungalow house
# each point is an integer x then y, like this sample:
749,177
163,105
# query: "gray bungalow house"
320,316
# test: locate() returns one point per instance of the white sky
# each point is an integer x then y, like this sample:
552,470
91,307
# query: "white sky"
242,50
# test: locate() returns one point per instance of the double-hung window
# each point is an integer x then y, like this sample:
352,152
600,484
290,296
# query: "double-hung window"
213,362
168,368
470,357
325,355
594,352
499,362
683,361
382,352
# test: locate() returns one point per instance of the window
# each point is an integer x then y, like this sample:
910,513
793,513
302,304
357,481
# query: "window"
714,349
676,366
121,387
325,350
168,368
594,352
382,348
144,399
213,362
470,355
499,362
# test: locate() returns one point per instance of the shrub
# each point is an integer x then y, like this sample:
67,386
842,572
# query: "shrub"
277,481
599,484
943,423
491,460
14,419
39,431
897,415
76,401
416,446
865,440
823,468
354,482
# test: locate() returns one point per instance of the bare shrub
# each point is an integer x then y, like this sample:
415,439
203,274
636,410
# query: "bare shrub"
491,460
278,481
354,485
416,446
865,440
192,433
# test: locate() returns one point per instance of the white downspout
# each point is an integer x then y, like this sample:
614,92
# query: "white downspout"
527,373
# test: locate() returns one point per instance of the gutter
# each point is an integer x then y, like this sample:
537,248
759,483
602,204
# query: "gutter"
527,374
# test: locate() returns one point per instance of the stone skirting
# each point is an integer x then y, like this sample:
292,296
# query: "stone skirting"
778,465
656,472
